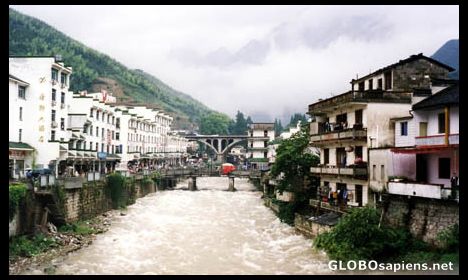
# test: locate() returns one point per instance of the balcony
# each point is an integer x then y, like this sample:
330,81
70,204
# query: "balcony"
333,170
370,96
257,148
350,133
436,191
437,140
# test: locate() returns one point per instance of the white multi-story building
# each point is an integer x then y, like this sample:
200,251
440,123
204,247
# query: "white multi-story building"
258,153
426,153
44,106
21,154
347,127
94,142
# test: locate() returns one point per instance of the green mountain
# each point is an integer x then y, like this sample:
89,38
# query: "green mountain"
93,70
448,54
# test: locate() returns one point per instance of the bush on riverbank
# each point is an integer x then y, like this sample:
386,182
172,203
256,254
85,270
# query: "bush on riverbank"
17,192
358,236
79,227
26,246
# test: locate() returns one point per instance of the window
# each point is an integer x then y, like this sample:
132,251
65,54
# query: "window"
370,83
54,94
265,144
62,98
404,128
103,116
97,131
382,172
379,84
52,135
54,74
265,133
326,156
63,78
444,168
361,86
91,130
117,123
20,113
102,147
358,152
97,146
108,118
102,133
22,92
91,145
62,123
265,154
442,123
20,132
113,135
388,80
53,115
97,115
113,119
358,116
91,112
374,170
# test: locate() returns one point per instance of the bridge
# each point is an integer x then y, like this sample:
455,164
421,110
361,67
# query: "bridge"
220,144
169,176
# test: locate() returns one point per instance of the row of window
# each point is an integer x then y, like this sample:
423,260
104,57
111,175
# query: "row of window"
117,149
143,138
54,96
140,149
423,126
63,76
370,83
114,135
110,120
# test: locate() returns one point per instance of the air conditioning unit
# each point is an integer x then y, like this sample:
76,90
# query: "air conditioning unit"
54,102
54,82
54,124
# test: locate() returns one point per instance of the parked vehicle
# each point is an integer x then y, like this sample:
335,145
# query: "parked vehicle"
227,168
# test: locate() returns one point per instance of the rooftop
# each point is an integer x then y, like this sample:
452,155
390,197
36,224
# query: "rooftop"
447,96
405,61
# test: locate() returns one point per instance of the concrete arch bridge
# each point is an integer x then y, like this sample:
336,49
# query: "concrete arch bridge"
220,144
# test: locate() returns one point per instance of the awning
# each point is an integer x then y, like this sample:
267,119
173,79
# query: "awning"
20,146
424,149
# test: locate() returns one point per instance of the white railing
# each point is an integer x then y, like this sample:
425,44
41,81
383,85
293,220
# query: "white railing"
436,140
417,189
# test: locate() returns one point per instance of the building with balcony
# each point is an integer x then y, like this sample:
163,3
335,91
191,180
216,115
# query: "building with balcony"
426,153
94,139
258,152
348,127
40,108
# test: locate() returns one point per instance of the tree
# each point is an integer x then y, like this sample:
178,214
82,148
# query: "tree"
294,161
214,123
296,118
278,127
240,126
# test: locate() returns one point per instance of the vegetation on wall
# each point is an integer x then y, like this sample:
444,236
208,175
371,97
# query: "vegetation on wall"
360,236
17,192
116,184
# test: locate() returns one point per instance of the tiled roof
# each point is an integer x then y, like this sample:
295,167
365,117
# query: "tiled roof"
447,96
404,61
19,146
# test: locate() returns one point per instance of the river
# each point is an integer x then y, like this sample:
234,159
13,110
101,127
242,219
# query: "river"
210,231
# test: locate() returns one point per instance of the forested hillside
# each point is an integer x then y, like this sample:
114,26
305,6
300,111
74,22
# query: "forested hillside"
93,70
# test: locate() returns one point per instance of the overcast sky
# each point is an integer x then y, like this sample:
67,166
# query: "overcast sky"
270,60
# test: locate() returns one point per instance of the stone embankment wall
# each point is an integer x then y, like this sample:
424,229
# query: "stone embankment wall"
84,202
425,218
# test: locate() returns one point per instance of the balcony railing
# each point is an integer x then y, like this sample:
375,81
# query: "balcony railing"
437,191
332,170
436,140
351,133
363,96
